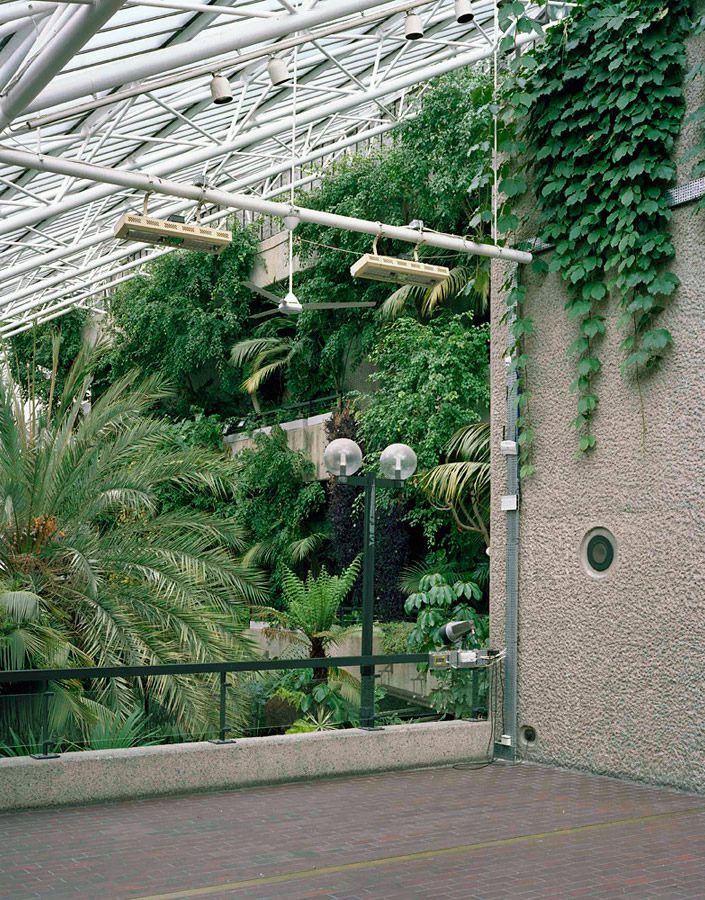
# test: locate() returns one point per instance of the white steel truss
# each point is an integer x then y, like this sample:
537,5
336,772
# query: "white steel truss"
124,88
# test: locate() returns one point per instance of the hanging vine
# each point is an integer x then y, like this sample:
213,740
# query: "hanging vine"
593,113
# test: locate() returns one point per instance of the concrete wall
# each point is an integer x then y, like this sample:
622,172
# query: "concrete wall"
306,435
611,670
96,775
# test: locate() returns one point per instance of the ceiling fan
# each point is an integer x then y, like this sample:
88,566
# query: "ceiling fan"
290,305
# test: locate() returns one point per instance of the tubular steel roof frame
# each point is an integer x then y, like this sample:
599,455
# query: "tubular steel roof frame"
355,69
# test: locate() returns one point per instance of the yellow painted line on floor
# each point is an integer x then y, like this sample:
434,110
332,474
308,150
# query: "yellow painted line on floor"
422,854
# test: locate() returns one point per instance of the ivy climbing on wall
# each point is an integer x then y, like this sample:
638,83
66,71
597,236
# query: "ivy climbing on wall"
592,115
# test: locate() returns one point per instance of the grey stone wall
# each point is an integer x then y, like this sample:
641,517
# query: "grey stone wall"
612,670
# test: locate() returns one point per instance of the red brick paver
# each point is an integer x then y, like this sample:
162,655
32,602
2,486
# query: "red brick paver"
501,832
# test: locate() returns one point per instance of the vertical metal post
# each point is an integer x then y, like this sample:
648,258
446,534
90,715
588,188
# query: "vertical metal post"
367,673
46,693
223,729
511,621
223,691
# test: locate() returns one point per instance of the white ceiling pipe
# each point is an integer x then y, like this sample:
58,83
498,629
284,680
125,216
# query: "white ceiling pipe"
237,61
60,295
62,252
18,24
15,51
154,184
83,24
10,12
196,157
133,263
70,87
127,250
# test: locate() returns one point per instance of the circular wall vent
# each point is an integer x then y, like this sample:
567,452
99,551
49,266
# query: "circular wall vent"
598,551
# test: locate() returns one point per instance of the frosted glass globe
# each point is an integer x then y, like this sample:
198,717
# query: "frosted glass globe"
342,457
398,461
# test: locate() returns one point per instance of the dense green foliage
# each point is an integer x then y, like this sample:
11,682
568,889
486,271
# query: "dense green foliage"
277,500
597,108
432,380
36,353
436,603
95,571
181,320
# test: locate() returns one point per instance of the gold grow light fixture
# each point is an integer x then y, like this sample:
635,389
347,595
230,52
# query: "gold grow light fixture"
165,232
397,271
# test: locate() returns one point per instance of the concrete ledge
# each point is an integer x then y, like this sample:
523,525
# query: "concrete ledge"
95,775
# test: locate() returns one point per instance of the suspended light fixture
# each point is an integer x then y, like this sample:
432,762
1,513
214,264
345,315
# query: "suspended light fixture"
278,70
413,27
220,90
463,11
291,221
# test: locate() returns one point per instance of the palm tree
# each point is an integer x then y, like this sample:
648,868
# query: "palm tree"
94,571
462,282
312,607
266,357
462,483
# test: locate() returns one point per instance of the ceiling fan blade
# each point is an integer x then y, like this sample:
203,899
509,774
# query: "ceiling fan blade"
263,315
338,305
263,292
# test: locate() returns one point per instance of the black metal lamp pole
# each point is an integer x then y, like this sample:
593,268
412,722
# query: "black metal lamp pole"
369,482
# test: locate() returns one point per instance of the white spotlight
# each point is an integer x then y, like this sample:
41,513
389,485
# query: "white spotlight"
291,221
413,28
220,90
463,11
278,70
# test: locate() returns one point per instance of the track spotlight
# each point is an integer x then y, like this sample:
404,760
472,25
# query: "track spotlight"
278,70
220,90
463,11
413,28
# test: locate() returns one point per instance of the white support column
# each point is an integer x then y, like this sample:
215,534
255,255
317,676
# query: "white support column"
314,114
154,184
111,75
80,27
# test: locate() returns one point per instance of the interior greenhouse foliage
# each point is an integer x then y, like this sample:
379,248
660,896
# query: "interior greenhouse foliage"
129,534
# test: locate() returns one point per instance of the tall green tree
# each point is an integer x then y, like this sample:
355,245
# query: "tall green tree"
181,319
94,571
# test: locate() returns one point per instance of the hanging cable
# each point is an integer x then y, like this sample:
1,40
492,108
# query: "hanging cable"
293,164
495,92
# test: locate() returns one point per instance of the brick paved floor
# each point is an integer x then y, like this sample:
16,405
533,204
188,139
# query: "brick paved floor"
502,832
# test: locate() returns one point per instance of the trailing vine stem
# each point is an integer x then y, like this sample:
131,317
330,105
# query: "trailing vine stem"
593,114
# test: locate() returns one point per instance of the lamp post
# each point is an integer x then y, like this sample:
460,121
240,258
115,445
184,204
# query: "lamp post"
342,458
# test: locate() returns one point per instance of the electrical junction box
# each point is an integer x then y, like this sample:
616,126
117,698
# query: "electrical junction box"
510,502
151,230
459,659
508,448
506,740
398,271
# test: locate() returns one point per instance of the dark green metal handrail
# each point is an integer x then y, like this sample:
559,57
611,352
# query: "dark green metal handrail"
251,665
87,673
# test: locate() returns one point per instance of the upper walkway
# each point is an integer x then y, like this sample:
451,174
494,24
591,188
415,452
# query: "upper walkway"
503,831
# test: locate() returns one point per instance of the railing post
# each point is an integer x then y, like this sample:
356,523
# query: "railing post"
223,729
46,693
367,673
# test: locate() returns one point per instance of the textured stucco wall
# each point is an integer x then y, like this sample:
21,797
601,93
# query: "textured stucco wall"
612,671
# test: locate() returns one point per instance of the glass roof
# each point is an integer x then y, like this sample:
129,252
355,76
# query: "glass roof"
131,90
